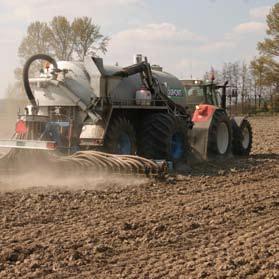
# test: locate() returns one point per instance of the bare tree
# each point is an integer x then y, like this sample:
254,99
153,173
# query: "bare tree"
62,38
88,39
37,40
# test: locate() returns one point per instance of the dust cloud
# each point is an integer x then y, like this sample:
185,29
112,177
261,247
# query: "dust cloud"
8,115
48,182
20,177
40,179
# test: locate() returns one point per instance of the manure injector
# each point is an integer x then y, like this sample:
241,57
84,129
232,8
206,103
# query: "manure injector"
86,116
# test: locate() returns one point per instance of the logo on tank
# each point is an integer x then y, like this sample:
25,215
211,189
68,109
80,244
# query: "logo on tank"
175,92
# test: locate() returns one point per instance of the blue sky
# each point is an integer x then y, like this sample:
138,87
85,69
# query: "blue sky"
186,37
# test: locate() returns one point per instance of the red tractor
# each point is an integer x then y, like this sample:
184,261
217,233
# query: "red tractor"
215,132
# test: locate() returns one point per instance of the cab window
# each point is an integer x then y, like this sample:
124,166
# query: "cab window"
195,95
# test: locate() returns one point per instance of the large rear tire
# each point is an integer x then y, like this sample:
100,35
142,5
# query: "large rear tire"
121,137
242,139
163,137
220,135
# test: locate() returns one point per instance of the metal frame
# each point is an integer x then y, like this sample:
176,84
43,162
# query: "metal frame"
28,144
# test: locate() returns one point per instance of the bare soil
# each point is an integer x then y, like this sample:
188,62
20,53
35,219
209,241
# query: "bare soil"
219,221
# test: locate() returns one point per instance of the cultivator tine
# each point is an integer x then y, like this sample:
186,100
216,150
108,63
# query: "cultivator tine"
86,161
135,166
148,166
120,166
104,159
112,163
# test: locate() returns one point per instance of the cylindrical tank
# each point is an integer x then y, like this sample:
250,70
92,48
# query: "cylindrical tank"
174,88
87,86
76,80
127,88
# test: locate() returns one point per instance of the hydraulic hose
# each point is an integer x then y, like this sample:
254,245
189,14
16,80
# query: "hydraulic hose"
75,99
26,68
224,96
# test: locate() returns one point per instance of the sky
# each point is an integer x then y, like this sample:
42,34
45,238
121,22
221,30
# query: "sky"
185,37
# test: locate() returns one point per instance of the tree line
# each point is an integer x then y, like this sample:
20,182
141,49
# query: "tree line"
62,39
257,81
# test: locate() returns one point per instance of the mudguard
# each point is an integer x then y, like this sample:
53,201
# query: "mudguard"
198,138
237,121
202,118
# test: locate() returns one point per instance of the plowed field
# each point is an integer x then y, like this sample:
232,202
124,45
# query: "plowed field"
220,220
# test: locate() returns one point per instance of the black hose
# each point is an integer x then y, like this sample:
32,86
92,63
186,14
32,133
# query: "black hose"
26,68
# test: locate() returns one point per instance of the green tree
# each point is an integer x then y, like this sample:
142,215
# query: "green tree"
258,69
275,102
270,45
265,71
269,48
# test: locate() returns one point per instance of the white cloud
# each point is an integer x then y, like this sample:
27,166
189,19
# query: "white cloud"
259,12
237,36
239,33
16,14
163,44
219,45
188,68
166,32
9,35
125,2
100,10
249,27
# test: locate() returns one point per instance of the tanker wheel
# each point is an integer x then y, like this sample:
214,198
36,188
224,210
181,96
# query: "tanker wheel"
220,135
121,137
163,137
242,139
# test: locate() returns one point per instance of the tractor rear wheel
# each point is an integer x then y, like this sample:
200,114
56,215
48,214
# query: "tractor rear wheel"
121,137
220,135
163,137
242,139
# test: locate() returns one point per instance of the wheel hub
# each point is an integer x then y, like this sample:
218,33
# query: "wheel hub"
222,138
246,138
124,145
177,146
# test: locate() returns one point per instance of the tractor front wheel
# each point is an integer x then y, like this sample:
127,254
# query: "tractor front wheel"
220,134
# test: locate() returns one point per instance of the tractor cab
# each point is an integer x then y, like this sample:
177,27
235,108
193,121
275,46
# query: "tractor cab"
202,92
215,132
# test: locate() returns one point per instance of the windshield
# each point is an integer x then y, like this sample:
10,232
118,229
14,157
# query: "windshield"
195,95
